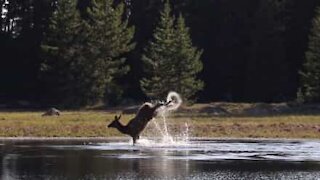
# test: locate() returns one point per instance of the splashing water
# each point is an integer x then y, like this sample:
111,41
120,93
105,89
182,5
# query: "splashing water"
176,99
160,124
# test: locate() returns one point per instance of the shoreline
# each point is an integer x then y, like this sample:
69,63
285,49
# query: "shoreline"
81,125
118,138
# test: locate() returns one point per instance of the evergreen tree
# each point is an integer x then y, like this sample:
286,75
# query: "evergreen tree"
171,61
187,63
310,76
159,56
111,38
84,55
60,53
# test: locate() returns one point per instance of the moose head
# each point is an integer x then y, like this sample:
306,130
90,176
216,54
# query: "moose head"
115,123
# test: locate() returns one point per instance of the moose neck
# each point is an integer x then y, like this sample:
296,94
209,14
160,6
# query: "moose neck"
121,127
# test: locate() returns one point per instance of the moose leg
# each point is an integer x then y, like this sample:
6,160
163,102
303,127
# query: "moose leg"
134,140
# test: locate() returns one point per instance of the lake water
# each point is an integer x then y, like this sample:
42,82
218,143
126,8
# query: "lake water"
197,159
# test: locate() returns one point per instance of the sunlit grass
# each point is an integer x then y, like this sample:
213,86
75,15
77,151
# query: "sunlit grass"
257,127
93,124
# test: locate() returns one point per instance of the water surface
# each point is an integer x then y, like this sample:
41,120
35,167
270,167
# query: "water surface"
150,159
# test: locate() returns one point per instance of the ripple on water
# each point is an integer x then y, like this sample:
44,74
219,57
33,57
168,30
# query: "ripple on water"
154,159
208,150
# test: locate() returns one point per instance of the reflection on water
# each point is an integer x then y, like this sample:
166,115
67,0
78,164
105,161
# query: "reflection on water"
198,159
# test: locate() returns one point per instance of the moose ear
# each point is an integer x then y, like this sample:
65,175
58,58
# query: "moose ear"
117,117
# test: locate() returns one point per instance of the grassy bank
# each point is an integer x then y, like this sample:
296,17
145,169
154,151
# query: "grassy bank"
93,124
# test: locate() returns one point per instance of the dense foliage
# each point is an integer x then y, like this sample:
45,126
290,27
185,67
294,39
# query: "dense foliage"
253,50
62,67
171,62
82,56
310,76
158,57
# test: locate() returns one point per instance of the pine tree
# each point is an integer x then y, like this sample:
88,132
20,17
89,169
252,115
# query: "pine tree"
111,38
158,56
60,53
171,61
310,76
187,62
83,56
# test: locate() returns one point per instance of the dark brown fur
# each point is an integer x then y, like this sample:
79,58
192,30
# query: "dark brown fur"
138,123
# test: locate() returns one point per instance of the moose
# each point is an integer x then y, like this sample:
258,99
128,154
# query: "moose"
136,125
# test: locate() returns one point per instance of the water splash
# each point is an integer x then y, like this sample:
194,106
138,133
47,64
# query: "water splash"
186,133
176,101
160,124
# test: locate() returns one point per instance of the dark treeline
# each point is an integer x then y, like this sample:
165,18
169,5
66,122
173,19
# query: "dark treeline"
253,50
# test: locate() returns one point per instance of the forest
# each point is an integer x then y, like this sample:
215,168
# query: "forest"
238,51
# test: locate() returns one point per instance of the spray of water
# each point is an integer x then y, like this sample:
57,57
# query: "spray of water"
176,101
160,122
